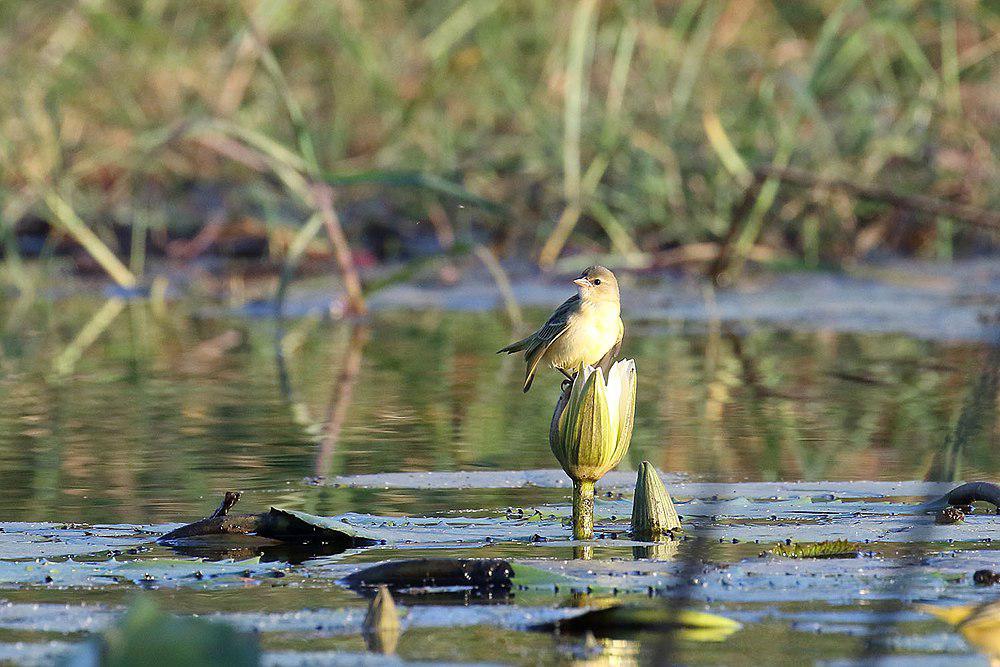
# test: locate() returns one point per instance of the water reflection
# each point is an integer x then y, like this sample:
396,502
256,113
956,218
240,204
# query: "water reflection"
590,651
158,413
659,551
341,393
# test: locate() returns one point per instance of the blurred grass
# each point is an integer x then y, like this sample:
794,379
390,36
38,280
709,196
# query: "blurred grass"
629,127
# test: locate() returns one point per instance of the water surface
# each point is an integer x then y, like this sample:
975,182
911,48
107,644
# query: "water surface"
147,424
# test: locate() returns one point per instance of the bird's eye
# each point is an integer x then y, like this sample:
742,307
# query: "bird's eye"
597,281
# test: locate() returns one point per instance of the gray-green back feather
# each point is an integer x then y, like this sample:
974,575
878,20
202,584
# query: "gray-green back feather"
537,343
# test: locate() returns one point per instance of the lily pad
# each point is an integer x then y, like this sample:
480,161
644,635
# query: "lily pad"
147,572
481,573
633,618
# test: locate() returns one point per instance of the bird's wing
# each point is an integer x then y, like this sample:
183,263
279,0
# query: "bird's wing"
546,335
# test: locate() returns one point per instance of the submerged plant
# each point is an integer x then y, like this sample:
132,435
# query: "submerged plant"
653,513
590,433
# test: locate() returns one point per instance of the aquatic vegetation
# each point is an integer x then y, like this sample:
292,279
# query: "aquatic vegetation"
590,433
275,524
833,549
985,577
147,635
653,513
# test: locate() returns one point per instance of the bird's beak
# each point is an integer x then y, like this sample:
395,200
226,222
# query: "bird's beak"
582,282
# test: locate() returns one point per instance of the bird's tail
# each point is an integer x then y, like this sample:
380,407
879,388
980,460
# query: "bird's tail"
516,347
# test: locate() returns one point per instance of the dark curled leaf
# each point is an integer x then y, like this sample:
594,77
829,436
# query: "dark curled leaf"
479,573
966,494
276,524
236,524
292,526
834,549
985,577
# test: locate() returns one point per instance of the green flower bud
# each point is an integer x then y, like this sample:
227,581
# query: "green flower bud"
590,432
653,513
592,425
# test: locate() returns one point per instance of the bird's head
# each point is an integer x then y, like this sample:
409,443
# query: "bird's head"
597,283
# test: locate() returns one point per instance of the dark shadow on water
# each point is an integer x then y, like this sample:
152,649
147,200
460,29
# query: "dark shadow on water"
243,547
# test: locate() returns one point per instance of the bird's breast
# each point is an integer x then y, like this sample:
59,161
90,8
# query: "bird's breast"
589,334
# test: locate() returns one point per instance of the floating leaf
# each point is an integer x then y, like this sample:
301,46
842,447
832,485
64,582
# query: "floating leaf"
482,573
832,549
149,571
534,577
626,618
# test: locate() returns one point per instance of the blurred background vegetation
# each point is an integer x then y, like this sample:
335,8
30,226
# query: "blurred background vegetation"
658,132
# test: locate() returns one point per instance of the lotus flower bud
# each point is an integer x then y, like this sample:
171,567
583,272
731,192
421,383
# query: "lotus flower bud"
653,513
590,432
381,628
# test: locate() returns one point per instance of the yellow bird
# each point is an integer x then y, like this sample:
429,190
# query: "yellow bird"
586,329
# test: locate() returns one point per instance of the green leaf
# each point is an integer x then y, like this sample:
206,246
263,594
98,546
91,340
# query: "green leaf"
535,577
834,549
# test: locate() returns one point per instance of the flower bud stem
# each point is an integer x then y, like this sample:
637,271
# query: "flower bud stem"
583,510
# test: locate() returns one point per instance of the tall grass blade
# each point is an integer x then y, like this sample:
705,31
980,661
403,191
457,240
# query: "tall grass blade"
68,219
577,69
723,147
462,21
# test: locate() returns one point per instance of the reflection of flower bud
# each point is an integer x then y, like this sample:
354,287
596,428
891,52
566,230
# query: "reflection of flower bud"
653,513
666,550
381,626
590,432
